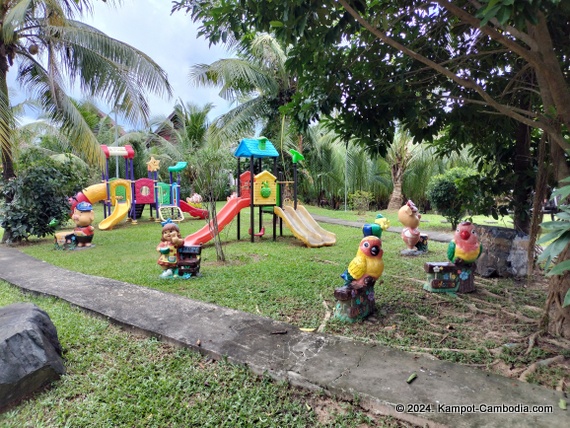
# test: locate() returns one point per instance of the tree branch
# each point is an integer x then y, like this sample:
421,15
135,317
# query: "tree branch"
523,37
467,83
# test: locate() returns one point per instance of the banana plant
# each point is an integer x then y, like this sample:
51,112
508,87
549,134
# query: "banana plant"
558,236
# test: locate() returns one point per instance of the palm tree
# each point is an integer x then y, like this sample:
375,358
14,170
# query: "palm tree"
52,47
332,169
257,81
187,135
425,164
180,136
399,155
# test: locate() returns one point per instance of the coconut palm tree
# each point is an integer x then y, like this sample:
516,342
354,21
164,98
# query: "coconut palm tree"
180,136
187,135
399,155
425,164
333,169
258,83
52,47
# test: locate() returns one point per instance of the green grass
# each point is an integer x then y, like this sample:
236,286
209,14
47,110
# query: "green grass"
428,221
118,379
288,282
283,280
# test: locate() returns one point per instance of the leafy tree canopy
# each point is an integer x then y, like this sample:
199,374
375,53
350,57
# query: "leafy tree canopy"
382,60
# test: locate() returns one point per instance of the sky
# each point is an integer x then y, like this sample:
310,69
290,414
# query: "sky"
170,40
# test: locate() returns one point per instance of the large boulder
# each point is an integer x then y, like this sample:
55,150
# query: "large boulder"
30,352
504,252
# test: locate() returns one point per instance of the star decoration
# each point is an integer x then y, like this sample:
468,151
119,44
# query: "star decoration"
153,164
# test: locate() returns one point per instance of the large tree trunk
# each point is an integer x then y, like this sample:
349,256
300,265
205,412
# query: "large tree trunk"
396,198
557,319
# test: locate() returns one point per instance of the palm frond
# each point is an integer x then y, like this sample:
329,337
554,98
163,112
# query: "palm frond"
236,77
65,112
109,69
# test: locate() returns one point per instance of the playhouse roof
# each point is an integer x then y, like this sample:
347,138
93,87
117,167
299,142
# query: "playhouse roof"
257,147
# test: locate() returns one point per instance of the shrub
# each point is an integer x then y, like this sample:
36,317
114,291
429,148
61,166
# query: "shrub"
360,201
558,238
448,196
37,198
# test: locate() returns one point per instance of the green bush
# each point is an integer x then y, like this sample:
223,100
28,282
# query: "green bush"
37,198
360,201
448,196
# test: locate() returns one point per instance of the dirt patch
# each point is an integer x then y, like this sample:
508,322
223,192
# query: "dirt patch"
327,409
494,328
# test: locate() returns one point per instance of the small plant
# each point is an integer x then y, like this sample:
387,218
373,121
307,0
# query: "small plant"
559,237
360,201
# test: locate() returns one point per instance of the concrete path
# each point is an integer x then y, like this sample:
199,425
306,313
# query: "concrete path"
443,394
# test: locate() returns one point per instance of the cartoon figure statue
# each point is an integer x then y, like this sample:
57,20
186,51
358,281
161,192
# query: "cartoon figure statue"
465,247
168,248
409,216
355,299
195,200
83,216
463,251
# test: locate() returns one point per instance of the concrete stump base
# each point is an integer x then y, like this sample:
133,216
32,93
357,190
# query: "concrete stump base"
354,304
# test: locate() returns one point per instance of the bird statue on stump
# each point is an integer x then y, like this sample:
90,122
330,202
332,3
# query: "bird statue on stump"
355,299
463,251
367,266
465,247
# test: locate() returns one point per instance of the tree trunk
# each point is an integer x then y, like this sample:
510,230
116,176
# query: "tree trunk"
550,73
214,229
6,126
396,198
557,319
522,169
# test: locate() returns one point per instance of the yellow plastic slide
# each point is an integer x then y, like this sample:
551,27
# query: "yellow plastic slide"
120,211
98,192
304,227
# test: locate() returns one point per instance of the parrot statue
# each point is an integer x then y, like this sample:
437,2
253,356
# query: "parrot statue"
465,246
367,266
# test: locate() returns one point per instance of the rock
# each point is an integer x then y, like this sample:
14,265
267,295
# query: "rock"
30,352
504,252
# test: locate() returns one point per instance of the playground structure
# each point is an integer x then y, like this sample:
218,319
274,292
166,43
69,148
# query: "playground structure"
167,202
262,190
125,199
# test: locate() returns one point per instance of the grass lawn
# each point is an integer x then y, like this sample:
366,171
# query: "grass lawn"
492,328
117,379
429,221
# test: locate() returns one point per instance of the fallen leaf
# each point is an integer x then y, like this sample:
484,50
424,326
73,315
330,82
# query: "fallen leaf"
308,329
562,404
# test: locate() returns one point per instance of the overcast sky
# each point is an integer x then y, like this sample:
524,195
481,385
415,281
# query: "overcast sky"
170,40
